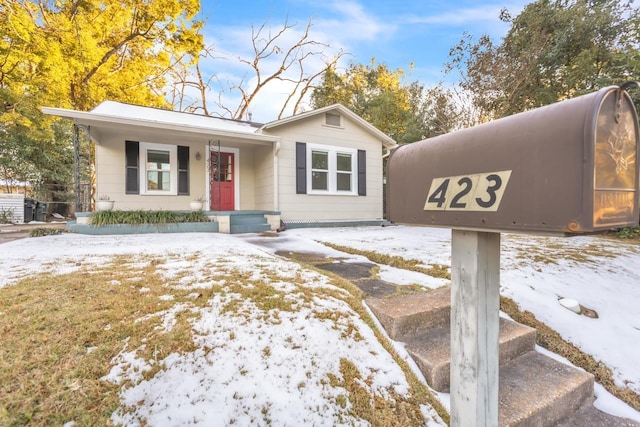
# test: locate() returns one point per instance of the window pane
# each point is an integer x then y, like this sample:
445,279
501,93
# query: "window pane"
319,160
152,180
319,181
344,162
344,182
158,181
158,160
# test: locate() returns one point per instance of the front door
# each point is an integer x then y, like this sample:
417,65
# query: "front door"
222,180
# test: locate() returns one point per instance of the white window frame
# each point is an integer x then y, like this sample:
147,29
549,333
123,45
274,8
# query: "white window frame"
333,152
173,169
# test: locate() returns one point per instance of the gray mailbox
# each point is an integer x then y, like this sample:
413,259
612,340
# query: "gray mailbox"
570,167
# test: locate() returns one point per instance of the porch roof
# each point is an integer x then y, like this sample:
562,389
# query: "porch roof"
110,113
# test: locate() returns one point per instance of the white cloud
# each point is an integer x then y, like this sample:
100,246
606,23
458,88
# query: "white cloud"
352,22
482,15
459,16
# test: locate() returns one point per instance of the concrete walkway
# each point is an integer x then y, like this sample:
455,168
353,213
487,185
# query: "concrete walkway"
12,232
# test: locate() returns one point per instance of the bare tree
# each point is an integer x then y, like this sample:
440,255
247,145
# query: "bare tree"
291,66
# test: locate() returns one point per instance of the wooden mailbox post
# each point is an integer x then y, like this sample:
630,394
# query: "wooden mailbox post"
567,168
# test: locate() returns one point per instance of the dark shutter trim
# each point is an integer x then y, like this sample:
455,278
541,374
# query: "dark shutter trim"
362,173
183,170
132,167
301,168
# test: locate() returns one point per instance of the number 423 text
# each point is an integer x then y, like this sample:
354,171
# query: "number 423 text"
478,192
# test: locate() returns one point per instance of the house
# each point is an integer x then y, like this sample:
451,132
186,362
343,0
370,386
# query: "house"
318,167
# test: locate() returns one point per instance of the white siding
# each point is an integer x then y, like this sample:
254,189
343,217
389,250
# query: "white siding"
13,203
264,168
306,207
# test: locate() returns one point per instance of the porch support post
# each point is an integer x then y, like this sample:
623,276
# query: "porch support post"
475,301
276,176
76,167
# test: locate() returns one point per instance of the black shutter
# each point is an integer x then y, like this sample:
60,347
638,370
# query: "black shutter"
132,177
362,173
183,171
301,168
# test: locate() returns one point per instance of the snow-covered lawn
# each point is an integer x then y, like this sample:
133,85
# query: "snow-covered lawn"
250,366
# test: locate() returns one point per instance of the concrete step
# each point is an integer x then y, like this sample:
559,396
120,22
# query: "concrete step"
247,219
406,316
535,390
249,228
432,350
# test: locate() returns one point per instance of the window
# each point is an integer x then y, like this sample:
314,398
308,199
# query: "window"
332,170
159,175
159,169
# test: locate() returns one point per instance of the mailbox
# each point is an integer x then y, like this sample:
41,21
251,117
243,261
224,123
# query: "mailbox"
570,167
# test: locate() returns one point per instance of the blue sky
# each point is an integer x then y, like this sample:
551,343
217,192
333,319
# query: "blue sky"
396,33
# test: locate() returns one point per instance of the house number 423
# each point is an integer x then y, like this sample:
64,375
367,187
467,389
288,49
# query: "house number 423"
478,192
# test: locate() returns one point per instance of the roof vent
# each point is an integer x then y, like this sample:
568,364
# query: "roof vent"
332,119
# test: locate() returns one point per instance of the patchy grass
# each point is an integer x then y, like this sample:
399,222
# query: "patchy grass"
435,270
59,334
376,409
550,252
419,394
62,333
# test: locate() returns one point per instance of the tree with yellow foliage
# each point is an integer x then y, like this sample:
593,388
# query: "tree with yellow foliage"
75,54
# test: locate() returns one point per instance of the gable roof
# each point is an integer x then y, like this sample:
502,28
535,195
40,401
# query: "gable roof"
387,141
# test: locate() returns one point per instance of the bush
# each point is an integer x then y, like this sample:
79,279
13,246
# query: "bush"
145,217
629,233
44,231
6,216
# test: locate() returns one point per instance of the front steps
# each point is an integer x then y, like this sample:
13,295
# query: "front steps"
534,390
248,223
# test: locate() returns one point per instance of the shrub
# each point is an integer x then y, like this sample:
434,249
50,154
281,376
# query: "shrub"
145,217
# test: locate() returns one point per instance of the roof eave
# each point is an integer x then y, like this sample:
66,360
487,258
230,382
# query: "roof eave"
80,116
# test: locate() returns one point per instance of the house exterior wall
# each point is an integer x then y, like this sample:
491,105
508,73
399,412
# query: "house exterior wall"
264,178
316,207
110,170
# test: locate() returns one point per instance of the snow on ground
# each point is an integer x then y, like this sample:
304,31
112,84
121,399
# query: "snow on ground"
536,271
251,366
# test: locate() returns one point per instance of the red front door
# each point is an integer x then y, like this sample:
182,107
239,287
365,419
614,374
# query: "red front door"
222,181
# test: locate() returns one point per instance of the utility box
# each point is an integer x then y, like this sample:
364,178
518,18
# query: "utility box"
570,167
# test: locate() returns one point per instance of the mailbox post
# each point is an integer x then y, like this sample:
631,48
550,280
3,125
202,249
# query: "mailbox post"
567,168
